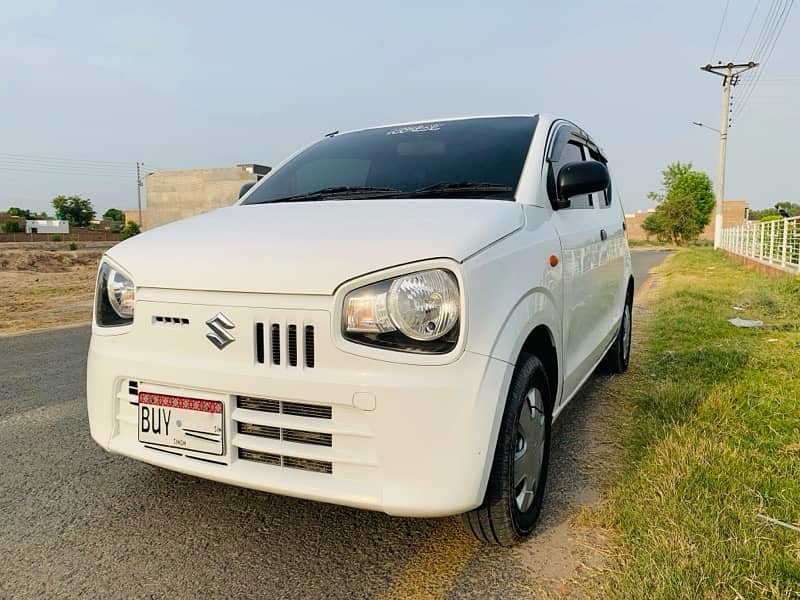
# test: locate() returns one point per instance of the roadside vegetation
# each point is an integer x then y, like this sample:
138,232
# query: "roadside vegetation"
713,435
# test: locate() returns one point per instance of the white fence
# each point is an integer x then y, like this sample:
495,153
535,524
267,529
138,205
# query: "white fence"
773,242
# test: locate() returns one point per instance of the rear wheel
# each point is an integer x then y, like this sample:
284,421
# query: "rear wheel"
619,355
516,485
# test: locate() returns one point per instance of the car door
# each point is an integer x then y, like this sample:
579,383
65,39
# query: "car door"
581,245
613,283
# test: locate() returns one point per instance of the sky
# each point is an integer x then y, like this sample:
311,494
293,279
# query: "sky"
89,88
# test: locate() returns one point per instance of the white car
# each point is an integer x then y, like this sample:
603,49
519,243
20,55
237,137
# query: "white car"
390,320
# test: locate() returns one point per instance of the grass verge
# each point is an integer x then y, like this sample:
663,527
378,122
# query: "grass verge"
714,439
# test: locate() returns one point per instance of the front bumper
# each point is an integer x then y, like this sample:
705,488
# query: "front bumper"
408,440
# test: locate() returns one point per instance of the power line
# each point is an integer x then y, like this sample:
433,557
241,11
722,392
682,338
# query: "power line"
72,160
40,171
746,29
765,25
44,165
785,17
766,36
721,24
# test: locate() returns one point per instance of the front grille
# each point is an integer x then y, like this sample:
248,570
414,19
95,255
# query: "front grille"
309,346
297,409
315,411
161,320
307,437
275,340
266,431
297,436
260,343
262,404
290,462
262,457
307,464
293,343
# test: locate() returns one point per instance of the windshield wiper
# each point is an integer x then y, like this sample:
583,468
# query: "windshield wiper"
461,188
335,192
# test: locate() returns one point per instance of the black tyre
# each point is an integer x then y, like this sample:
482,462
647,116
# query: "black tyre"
618,356
515,491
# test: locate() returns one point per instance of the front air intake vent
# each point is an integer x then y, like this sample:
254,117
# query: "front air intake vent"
260,343
307,464
298,409
309,346
292,345
307,437
262,457
262,404
267,431
298,345
275,343
290,462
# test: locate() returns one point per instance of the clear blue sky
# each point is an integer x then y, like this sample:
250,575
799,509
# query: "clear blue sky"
194,84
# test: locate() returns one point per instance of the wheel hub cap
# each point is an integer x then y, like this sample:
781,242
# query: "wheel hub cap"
626,333
529,449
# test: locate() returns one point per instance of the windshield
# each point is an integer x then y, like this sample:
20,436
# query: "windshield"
465,158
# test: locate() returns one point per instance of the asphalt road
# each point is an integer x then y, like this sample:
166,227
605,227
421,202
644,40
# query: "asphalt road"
79,522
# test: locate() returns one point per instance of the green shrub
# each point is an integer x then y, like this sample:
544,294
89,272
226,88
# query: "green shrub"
130,230
56,237
73,246
11,227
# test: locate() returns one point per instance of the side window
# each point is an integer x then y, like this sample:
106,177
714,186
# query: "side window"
605,195
573,151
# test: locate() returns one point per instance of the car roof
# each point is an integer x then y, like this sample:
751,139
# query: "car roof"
444,120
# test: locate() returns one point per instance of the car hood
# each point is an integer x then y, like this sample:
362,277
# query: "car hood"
310,247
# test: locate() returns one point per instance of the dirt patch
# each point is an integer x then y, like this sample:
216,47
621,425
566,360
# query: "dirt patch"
572,551
47,284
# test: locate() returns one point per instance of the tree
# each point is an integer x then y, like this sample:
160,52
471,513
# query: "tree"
676,220
791,208
11,227
75,209
680,180
668,178
19,212
130,230
114,214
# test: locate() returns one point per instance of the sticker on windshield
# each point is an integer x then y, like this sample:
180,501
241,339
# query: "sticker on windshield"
415,129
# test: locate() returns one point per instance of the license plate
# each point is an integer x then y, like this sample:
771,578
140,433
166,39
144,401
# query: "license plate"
182,423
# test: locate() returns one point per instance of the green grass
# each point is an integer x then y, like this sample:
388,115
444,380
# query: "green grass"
713,439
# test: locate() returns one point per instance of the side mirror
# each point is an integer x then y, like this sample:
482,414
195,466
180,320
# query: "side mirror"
578,178
246,188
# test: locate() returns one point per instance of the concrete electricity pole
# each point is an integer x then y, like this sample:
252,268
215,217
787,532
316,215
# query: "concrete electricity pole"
730,77
139,185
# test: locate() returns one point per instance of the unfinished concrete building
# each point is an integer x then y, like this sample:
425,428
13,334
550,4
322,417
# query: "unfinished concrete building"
174,195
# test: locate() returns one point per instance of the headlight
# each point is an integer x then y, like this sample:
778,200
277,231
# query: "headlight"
417,312
115,297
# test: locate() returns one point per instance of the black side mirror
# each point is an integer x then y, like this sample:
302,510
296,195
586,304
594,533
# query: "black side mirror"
246,188
578,178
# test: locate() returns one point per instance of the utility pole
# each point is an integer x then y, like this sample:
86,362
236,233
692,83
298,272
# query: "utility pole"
139,185
730,77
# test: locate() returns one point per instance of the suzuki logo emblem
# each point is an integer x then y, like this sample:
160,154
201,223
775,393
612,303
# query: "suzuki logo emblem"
219,336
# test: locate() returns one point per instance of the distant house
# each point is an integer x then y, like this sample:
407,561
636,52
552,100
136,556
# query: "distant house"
46,226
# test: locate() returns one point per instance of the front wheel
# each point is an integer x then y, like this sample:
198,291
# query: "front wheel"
516,485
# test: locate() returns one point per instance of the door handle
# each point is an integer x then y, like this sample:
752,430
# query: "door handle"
603,235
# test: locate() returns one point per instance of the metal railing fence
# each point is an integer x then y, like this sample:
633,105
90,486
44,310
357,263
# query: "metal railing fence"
774,242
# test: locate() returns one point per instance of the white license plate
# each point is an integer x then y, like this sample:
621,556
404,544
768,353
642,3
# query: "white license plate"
182,423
